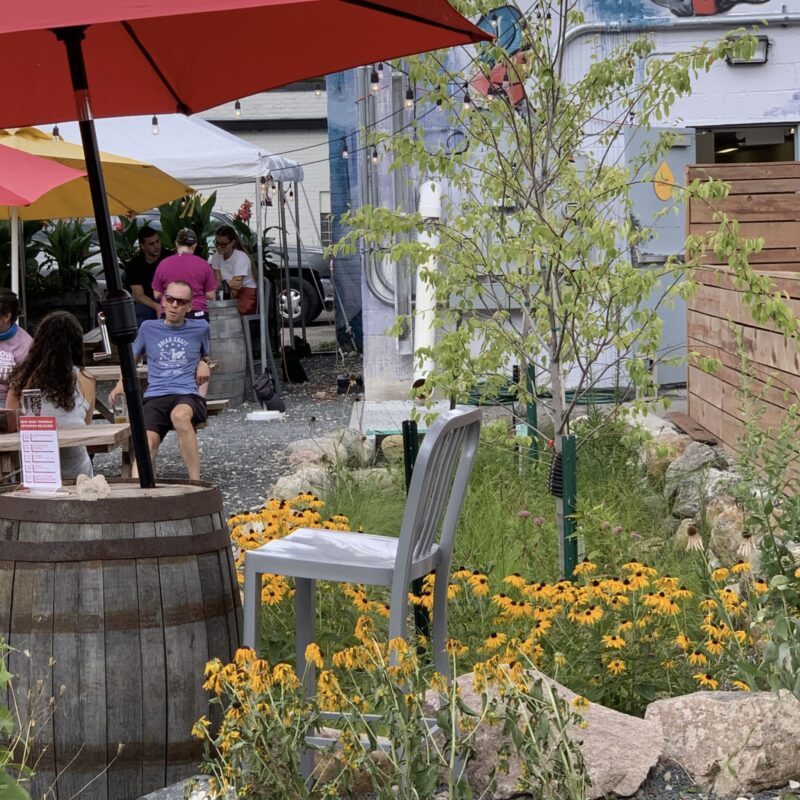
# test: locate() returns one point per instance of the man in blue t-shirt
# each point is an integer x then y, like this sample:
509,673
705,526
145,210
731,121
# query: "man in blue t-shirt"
176,349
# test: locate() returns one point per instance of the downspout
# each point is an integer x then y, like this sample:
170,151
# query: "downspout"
430,208
784,19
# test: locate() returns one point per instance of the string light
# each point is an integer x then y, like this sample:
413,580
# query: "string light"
493,19
318,90
380,71
237,108
56,133
374,82
374,155
345,153
154,123
291,193
409,98
467,100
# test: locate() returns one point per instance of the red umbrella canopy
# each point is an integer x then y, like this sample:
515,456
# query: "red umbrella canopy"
25,178
152,56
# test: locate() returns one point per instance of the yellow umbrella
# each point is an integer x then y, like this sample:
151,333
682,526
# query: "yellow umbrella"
131,186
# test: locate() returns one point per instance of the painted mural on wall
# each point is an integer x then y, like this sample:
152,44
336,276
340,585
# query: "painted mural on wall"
607,10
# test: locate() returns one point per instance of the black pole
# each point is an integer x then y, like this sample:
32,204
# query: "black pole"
117,303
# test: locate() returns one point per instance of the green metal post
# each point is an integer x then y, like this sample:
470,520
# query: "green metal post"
533,421
569,544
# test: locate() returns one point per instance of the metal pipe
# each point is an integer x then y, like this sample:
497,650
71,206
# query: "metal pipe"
13,227
285,254
784,19
303,308
262,300
117,303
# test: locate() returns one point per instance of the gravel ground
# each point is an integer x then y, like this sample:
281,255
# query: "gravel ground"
246,458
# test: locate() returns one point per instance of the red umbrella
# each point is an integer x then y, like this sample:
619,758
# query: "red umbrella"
151,56
157,56
25,178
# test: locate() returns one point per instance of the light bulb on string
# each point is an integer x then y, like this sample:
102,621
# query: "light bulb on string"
318,90
493,19
409,98
345,152
380,71
237,108
56,133
374,155
374,82
154,123
264,191
467,102
291,193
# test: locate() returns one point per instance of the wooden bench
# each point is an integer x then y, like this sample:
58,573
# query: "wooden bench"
95,438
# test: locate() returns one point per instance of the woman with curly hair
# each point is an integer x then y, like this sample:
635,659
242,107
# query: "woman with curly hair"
54,365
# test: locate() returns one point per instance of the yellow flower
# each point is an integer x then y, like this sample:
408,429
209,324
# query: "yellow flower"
584,568
741,686
200,727
588,616
708,605
616,666
455,648
682,641
560,659
797,573
625,626
704,679
720,574
514,580
713,646
284,675
479,584
494,640
682,593
502,601
637,580
697,659
365,629
760,586
314,655
668,664
667,583
462,573
579,703
614,642
741,566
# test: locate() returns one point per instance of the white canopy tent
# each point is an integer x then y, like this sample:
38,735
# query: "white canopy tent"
200,154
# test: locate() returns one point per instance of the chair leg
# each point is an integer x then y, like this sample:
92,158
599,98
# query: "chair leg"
439,632
252,608
304,602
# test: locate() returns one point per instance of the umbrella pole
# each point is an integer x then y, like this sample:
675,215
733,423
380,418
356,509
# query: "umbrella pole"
14,228
117,303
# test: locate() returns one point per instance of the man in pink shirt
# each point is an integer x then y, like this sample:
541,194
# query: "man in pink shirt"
187,267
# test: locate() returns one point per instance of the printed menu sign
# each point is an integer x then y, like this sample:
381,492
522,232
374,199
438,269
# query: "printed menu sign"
38,447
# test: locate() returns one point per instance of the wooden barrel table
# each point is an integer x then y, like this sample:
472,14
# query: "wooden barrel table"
113,607
228,350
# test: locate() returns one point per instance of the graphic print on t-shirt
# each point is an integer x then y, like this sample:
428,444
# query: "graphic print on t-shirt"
173,354
7,363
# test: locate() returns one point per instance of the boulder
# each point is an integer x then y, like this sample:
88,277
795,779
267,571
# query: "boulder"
726,536
321,450
695,478
376,477
392,448
196,788
359,449
732,743
661,451
618,750
313,478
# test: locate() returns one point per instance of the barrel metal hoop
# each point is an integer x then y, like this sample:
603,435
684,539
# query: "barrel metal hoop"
113,510
115,549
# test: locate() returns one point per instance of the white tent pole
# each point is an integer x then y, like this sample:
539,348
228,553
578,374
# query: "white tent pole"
262,306
14,225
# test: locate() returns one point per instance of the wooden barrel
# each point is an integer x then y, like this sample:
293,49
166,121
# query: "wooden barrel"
113,607
227,349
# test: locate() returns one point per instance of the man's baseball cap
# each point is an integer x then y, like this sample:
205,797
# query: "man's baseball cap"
186,237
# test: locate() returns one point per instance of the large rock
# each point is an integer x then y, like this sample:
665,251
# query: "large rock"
374,477
322,450
314,479
618,750
726,535
732,743
359,449
696,477
392,448
196,788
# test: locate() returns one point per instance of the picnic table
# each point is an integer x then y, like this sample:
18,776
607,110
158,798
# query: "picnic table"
95,438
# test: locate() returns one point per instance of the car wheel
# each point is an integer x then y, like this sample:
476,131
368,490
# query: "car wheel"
305,302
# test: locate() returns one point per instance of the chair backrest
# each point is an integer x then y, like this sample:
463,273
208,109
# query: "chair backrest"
438,487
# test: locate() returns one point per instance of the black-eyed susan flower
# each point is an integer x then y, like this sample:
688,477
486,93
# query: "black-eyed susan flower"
713,645
740,567
589,615
760,586
694,541
455,648
494,640
515,580
706,680
697,658
682,641
579,703
616,666
719,574
479,584
613,642
462,573
741,686
586,567
681,593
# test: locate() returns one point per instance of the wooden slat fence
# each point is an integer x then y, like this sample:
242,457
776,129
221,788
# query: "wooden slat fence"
765,198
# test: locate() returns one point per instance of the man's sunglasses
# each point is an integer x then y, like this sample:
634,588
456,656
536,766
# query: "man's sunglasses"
176,301
219,243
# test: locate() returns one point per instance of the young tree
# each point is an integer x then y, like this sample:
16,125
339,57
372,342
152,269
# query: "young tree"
535,247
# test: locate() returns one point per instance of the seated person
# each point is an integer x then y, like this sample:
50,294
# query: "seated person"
141,269
14,341
231,264
177,349
54,365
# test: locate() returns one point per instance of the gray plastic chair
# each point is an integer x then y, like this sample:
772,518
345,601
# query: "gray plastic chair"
435,498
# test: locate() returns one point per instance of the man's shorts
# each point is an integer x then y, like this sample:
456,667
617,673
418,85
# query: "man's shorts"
158,409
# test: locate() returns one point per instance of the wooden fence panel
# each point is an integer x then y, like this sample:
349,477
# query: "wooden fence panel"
765,199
